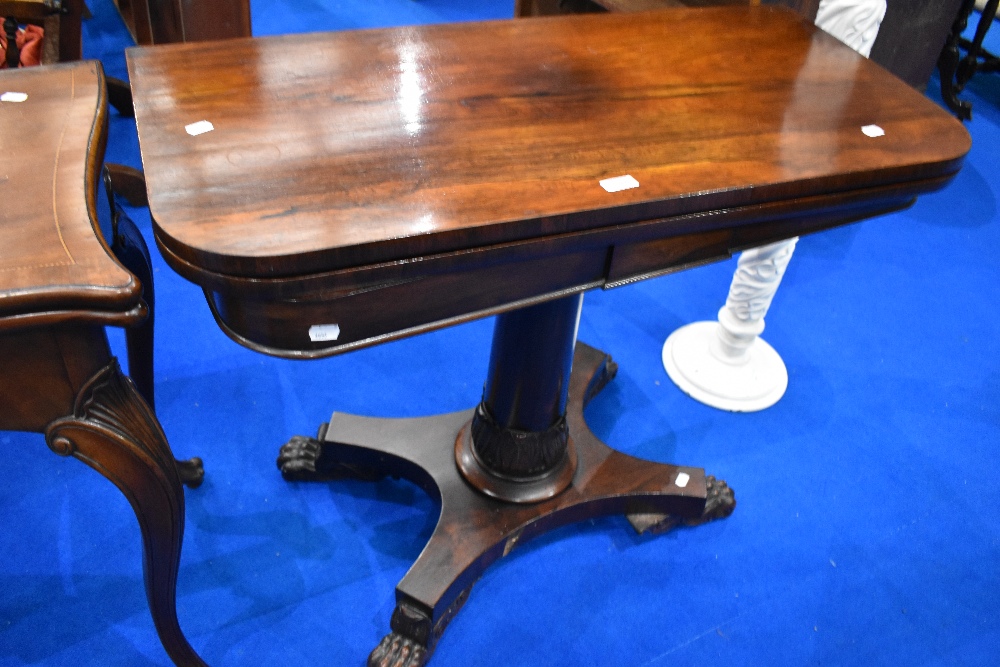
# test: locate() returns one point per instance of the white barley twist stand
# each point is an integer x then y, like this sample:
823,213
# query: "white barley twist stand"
725,363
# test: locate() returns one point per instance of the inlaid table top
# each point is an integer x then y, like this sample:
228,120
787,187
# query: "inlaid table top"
53,260
341,149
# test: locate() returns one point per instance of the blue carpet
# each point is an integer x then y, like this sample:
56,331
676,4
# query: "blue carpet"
864,533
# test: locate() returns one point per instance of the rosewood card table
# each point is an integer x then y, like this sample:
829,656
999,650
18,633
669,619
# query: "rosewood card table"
332,191
61,283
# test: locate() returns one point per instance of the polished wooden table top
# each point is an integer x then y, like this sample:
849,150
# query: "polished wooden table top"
54,263
340,150
360,186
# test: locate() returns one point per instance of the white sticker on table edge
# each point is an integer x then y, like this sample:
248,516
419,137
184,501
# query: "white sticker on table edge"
323,332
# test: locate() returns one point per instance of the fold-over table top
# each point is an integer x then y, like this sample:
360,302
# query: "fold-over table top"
333,150
52,129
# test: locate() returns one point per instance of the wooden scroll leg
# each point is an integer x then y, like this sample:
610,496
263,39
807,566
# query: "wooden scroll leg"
113,431
131,250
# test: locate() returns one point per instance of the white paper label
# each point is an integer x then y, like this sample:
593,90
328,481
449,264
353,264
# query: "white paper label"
13,97
321,332
619,183
682,480
873,131
201,127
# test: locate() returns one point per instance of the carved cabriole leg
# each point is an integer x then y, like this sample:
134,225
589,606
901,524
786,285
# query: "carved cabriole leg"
113,431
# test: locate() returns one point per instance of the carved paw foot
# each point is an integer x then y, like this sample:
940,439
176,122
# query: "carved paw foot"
301,459
192,472
398,651
719,503
304,459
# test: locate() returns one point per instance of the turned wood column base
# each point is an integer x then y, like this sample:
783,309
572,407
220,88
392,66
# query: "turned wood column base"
475,530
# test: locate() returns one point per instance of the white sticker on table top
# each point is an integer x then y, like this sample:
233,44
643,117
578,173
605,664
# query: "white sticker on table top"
682,480
201,127
618,183
873,131
321,332
11,96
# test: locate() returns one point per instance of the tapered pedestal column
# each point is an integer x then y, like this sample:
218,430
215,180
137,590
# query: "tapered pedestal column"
538,467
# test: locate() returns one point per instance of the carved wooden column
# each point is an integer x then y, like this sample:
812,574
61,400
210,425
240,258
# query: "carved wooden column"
725,363
518,446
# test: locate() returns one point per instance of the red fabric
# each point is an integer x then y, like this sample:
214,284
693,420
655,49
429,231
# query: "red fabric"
29,41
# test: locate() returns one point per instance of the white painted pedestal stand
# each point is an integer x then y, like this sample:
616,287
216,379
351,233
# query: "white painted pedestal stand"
726,364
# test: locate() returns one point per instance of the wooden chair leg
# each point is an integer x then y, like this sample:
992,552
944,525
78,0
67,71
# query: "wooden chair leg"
120,96
130,248
948,63
13,55
128,182
113,431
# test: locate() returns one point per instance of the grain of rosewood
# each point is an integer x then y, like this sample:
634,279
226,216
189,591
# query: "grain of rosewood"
342,165
336,150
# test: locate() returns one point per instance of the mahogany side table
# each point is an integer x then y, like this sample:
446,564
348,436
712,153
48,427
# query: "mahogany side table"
60,285
332,191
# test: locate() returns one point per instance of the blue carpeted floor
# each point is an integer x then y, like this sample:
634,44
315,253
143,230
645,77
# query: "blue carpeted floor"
865,532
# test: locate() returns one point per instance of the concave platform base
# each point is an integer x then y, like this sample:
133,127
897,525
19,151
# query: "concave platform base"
475,530
756,383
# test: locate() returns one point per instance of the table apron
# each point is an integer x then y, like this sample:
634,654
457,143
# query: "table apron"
370,305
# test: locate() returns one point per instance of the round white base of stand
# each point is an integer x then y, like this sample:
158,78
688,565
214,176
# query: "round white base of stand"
756,384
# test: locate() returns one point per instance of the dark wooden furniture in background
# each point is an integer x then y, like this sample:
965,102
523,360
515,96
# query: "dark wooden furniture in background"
912,36
523,8
61,20
956,69
395,181
172,21
60,285
912,40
